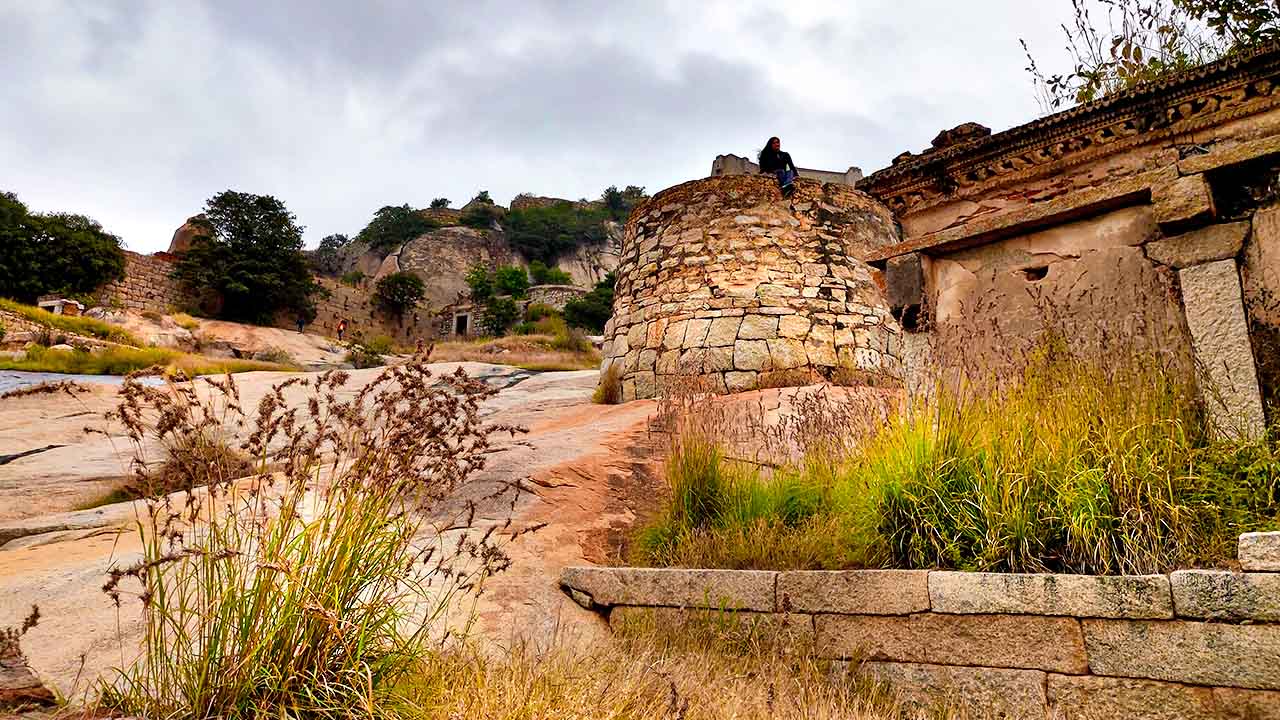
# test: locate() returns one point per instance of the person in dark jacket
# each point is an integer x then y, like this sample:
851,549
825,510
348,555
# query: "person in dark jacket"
778,164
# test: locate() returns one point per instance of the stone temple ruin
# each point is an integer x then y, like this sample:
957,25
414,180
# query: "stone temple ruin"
1152,215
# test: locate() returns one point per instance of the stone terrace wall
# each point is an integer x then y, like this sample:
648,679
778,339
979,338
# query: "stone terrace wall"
555,295
725,279
1192,645
356,305
147,285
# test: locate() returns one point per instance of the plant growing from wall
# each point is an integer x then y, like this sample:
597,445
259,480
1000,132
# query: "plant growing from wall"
60,253
399,292
250,254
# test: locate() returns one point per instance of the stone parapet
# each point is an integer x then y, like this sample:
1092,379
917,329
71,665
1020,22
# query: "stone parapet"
726,280
1193,644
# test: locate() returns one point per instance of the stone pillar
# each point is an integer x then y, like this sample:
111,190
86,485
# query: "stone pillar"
1212,299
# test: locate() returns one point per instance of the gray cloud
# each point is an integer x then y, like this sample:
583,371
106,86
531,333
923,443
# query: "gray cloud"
138,111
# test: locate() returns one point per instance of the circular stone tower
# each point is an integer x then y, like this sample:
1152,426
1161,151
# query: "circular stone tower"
725,279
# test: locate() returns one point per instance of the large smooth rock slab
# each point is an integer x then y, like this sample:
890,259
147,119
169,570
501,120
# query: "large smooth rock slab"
675,587
1223,595
1141,596
985,692
1086,697
1211,298
854,592
1215,242
1000,641
1260,552
1246,656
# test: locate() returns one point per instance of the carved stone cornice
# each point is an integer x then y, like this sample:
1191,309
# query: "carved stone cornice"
1237,86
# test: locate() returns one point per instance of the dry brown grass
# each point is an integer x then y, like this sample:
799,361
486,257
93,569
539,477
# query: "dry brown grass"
713,669
531,352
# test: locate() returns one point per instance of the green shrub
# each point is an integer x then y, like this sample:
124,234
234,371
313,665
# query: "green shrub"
500,313
56,253
117,360
543,275
393,226
398,292
546,233
511,280
381,344
537,311
593,310
352,278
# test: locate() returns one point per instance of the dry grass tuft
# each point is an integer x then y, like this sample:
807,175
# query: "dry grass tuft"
609,391
530,352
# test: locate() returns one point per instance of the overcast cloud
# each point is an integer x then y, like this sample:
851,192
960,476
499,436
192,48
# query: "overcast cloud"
136,112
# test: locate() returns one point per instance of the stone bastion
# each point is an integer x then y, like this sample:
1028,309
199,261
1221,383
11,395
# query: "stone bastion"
725,279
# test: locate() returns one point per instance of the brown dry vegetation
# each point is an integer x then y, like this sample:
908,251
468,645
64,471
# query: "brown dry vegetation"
531,352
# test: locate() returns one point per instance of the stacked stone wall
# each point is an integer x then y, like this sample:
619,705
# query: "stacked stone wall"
726,280
356,306
1193,645
147,285
557,296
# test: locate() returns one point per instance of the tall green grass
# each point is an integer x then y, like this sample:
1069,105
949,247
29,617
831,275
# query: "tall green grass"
1075,468
79,325
120,360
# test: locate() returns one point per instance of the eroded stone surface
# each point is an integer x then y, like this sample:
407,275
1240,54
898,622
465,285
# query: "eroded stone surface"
986,692
1183,651
1237,704
1002,641
855,592
1211,297
1215,242
1222,595
794,631
1101,698
1144,596
1186,199
1260,552
714,589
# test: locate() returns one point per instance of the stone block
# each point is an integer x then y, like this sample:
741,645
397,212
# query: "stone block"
758,327
791,630
695,334
1211,298
723,331
854,592
1143,597
1183,200
793,326
1007,641
1100,698
1183,651
984,692
673,338
717,359
786,354
665,587
751,355
1215,242
1223,595
741,381
1260,552
1237,704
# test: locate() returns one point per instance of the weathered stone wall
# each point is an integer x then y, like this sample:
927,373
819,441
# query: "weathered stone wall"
735,165
725,279
1109,223
147,285
1192,645
554,295
364,318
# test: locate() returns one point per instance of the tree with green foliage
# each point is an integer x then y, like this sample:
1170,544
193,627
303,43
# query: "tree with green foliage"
393,226
249,256
1144,40
546,233
327,259
511,280
543,275
440,204
620,202
480,213
500,313
480,281
60,253
398,292
592,311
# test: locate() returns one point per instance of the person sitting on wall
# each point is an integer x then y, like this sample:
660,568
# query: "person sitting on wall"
778,164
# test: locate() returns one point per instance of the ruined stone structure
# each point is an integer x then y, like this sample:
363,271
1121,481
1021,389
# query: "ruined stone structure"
554,295
364,318
1151,216
1192,645
147,284
735,165
723,278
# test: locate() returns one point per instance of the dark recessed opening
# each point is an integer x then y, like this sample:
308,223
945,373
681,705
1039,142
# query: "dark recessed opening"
1035,274
908,317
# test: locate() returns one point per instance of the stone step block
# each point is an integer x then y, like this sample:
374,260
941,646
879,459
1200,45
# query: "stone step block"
1000,641
1090,697
1260,552
1134,596
982,692
1223,595
675,587
1244,656
854,592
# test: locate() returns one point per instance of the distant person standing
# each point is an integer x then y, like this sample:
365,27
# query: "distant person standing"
301,323
778,163
342,328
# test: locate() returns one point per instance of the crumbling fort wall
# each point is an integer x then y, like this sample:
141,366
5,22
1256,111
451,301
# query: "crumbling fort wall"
147,285
725,279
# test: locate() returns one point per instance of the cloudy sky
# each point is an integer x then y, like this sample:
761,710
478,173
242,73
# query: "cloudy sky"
136,112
